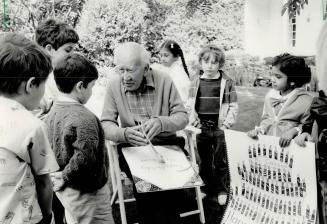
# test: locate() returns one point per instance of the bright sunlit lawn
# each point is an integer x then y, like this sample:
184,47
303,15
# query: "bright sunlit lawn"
250,100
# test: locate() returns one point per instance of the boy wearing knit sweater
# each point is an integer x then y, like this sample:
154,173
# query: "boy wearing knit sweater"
77,139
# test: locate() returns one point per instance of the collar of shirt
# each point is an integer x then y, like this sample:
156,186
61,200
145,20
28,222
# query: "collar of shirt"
217,76
13,104
147,82
63,98
279,99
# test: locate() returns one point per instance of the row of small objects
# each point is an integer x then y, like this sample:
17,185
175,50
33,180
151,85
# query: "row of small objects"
270,211
281,183
258,151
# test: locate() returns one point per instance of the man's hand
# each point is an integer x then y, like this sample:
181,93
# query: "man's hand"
152,127
134,136
302,138
57,181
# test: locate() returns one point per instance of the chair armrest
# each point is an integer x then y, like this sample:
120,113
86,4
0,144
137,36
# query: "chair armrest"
189,129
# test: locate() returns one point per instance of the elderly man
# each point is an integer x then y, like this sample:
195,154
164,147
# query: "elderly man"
141,95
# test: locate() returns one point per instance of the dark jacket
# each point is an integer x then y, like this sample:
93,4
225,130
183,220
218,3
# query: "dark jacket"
318,114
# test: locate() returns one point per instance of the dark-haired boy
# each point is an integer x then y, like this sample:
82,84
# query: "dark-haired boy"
58,39
26,158
78,140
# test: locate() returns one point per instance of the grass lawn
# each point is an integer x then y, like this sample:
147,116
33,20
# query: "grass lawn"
250,101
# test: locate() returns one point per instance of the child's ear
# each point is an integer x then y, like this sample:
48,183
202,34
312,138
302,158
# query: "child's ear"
79,86
48,48
30,84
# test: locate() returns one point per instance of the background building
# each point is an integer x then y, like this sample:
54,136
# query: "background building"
268,33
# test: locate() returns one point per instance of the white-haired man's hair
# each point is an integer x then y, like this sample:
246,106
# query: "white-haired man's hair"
135,49
321,59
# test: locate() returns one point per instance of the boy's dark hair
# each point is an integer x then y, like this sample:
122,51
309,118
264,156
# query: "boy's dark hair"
176,50
73,69
20,60
55,33
211,48
294,67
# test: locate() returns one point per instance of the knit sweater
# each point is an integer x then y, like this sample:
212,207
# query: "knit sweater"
168,107
77,138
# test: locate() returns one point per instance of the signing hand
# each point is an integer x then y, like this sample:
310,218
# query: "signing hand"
57,181
152,127
134,136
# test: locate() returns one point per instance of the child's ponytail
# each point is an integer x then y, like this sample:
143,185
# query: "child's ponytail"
176,51
183,61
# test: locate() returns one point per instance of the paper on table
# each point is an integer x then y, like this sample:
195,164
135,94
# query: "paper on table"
151,175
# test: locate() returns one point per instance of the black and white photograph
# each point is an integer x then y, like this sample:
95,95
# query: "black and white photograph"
163,112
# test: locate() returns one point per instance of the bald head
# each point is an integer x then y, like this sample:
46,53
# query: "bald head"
132,63
131,51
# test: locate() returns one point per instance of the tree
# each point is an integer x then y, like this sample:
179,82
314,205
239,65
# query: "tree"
293,7
24,16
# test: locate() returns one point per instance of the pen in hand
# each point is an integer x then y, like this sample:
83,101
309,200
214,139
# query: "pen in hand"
161,158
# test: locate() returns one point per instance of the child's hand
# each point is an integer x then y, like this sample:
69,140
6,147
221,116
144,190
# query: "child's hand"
253,133
57,181
302,138
222,198
284,142
287,137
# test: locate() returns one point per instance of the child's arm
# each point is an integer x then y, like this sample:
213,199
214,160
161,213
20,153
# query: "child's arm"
43,162
232,111
86,140
44,195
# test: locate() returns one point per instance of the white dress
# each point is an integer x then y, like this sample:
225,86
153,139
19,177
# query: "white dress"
179,77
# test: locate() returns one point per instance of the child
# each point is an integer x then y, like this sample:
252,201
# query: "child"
26,158
58,39
285,105
318,114
170,53
78,141
215,110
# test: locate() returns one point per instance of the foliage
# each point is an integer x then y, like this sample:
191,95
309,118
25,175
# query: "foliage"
221,25
150,22
24,16
293,7
101,31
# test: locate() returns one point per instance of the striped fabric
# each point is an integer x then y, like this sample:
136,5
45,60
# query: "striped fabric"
208,97
141,101
229,96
